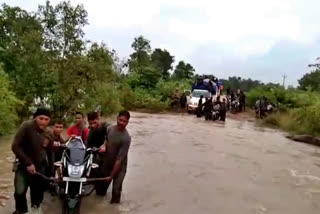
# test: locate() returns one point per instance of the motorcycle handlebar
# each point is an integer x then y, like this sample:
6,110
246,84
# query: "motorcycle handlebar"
59,180
94,149
47,178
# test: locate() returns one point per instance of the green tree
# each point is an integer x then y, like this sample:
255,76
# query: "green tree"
141,55
76,70
183,71
311,80
162,60
22,55
142,72
235,83
145,77
8,105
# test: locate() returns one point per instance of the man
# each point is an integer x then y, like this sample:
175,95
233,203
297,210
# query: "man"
97,130
115,164
96,139
223,110
28,148
57,129
199,108
175,98
242,100
183,100
79,129
208,107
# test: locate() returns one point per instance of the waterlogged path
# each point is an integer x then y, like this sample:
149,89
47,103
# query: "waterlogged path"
182,164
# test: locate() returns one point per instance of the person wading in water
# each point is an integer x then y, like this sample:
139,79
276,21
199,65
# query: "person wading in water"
117,145
28,146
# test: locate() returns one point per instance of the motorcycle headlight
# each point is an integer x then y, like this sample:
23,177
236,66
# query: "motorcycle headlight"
75,171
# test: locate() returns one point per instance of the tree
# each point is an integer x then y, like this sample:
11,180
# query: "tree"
76,70
311,80
144,77
162,60
8,105
141,56
22,55
183,71
235,83
142,72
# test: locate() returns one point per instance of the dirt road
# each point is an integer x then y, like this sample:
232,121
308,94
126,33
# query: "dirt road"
182,164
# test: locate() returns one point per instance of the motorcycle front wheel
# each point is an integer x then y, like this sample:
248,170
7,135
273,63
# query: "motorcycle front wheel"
67,210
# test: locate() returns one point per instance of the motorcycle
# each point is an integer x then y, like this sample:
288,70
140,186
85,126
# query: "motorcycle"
73,172
235,106
216,112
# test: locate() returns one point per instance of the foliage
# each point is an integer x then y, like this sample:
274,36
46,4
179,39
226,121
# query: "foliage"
165,88
162,60
299,110
246,85
310,81
21,53
141,55
283,98
183,71
145,100
8,105
144,77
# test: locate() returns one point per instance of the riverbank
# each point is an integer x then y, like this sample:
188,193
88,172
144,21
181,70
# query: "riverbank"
298,112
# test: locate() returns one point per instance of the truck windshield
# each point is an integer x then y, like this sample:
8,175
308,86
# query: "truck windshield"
198,93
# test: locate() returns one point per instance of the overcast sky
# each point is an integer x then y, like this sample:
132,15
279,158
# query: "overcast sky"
260,39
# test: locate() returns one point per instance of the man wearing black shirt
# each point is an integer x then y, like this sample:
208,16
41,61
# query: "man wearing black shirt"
96,139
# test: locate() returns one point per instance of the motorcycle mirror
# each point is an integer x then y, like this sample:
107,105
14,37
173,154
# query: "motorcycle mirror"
94,165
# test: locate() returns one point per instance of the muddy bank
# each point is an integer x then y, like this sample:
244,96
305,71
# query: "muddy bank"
182,164
309,139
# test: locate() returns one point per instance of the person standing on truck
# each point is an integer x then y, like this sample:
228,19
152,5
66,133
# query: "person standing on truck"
28,145
117,145
79,129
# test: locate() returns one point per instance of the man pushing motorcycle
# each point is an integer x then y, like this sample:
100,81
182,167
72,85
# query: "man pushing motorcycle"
112,142
115,161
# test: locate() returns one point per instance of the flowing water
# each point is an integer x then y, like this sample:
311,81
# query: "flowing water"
182,164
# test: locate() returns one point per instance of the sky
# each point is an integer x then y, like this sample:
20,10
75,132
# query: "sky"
257,39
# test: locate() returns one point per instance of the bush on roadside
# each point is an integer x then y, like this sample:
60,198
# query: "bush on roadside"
299,111
8,106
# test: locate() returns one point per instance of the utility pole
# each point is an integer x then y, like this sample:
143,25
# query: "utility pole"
284,80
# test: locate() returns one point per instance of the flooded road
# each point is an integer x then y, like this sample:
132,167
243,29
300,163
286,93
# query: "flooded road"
182,164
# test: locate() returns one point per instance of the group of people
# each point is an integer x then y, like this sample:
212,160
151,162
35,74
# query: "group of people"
263,107
237,100
216,110
37,147
179,99
209,83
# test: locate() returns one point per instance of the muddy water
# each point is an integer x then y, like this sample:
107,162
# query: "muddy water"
181,164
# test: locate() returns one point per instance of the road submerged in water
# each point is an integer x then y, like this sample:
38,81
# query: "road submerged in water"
182,164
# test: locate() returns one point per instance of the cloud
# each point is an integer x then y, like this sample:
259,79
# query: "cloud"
251,38
285,57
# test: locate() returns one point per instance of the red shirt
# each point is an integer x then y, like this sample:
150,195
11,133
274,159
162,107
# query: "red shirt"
77,131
